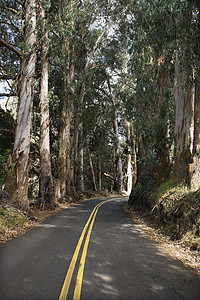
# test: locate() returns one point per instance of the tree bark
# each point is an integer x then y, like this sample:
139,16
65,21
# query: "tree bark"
162,147
82,185
92,169
16,187
64,160
129,159
47,194
195,166
99,174
64,142
183,131
134,155
118,163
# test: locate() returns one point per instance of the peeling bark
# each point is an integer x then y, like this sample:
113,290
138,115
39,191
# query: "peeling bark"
162,147
46,181
183,131
16,186
64,143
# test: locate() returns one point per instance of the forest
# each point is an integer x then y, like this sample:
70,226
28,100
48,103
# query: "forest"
99,95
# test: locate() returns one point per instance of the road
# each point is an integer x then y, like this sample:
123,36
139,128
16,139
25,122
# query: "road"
108,257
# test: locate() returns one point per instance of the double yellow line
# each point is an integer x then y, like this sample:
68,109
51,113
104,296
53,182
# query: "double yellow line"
79,279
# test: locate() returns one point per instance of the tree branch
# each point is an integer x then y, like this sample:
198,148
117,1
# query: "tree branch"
7,94
7,77
20,2
10,46
95,48
109,176
13,10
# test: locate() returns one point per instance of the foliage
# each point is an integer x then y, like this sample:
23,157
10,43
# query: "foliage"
136,54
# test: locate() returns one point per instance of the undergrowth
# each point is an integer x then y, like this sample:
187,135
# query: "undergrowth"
10,217
173,209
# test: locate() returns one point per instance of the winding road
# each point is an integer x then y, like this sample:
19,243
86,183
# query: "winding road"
91,251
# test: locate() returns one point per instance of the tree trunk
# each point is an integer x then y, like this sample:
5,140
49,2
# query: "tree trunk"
64,142
118,165
16,187
162,147
99,174
195,166
82,187
139,157
129,159
66,120
134,154
65,151
46,181
183,131
92,169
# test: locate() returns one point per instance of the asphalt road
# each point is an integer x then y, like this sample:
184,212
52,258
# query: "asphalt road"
118,260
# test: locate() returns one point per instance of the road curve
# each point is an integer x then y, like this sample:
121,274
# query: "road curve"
106,254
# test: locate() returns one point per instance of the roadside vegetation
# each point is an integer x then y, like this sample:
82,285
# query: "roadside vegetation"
15,222
174,210
12,221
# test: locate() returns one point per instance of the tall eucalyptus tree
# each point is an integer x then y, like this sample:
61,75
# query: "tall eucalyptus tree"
16,186
46,189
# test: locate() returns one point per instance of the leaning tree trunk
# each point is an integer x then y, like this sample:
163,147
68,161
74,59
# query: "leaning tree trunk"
16,187
46,181
183,131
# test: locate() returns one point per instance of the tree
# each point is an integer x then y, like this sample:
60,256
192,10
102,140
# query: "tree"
46,188
16,186
186,166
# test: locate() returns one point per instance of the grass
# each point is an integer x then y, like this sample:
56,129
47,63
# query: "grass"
162,190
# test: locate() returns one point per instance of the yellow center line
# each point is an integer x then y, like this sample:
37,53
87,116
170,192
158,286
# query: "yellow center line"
79,279
66,284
